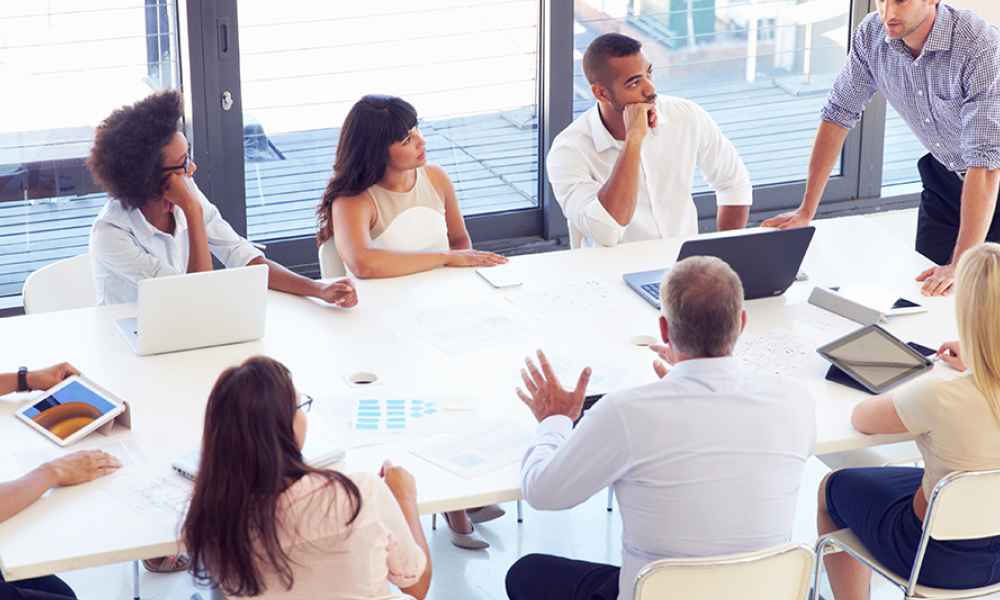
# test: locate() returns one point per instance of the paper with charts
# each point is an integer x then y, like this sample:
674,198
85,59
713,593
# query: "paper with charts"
374,415
474,454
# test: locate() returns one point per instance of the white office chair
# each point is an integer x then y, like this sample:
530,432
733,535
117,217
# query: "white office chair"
779,573
902,453
330,264
962,506
62,285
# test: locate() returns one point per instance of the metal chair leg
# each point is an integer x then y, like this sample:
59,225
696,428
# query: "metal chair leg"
520,513
135,580
611,499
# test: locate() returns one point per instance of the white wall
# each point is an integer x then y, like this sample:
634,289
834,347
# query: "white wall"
988,9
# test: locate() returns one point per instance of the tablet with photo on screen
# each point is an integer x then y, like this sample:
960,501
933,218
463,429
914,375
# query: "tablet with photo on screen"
71,410
876,359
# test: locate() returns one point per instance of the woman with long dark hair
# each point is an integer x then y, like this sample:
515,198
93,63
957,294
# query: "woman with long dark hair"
389,212
263,523
157,222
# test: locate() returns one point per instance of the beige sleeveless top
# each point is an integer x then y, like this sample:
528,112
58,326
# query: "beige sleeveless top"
411,221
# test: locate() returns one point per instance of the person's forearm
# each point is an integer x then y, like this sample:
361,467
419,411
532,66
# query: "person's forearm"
732,217
419,589
8,383
199,257
373,263
979,202
461,242
620,192
17,495
285,280
829,142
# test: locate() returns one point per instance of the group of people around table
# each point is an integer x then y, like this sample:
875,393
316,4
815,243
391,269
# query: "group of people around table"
690,477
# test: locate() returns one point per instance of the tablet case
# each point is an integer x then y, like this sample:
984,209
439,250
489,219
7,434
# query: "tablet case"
837,375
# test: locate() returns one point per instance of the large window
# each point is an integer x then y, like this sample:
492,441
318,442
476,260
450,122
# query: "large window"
761,68
469,68
267,86
64,67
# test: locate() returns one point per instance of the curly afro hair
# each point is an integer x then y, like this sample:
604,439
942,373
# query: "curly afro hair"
126,157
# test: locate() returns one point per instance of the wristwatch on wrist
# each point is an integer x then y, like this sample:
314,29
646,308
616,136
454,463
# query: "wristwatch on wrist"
22,380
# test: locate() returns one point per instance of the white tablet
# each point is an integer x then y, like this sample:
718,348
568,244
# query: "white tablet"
501,276
875,358
69,411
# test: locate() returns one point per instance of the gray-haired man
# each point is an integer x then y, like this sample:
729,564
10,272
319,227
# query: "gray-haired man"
706,461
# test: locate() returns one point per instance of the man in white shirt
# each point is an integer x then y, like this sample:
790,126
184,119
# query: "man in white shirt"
623,170
706,461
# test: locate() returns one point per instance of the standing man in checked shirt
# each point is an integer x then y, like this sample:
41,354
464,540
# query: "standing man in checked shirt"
939,67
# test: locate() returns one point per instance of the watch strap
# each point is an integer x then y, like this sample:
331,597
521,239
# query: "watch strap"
22,379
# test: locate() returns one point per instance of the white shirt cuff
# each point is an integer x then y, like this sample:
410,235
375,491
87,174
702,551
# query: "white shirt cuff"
602,228
741,195
557,424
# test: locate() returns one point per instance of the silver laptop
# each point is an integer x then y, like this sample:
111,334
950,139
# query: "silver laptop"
197,310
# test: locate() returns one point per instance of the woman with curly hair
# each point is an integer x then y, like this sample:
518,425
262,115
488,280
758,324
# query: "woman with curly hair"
264,524
157,222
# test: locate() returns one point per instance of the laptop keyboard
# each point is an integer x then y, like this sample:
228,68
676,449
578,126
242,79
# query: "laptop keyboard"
653,290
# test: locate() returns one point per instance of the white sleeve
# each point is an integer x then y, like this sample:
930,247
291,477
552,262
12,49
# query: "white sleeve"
223,241
564,467
721,164
576,192
118,251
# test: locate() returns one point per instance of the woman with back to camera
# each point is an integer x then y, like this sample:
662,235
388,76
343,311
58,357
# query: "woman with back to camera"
262,523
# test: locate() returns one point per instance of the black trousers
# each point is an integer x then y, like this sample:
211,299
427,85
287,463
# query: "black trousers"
544,577
941,210
41,588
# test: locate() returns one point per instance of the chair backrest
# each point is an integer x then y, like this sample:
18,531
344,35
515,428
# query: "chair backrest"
779,573
62,285
330,264
962,506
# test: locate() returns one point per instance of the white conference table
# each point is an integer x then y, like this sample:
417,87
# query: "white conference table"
444,335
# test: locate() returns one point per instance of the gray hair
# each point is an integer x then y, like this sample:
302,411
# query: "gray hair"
702,300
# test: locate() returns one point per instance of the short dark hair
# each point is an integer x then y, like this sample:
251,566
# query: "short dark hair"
126,159
609,45
702,300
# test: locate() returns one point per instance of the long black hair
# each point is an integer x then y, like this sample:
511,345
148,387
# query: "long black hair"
373,124
249,458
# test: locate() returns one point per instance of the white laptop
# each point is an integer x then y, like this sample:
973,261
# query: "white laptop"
197,310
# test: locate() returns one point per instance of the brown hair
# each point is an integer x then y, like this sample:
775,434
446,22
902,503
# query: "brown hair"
373,124
249,458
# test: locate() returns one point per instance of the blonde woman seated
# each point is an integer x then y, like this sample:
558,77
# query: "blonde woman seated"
959,426
389,212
